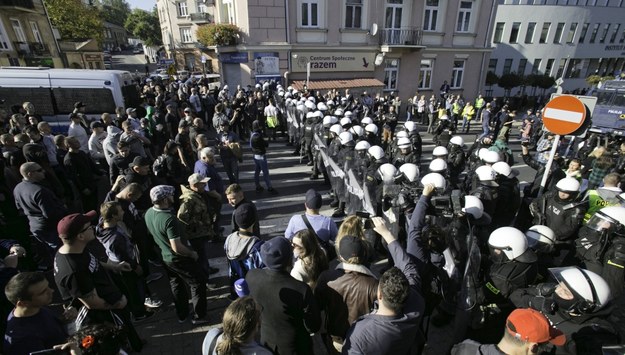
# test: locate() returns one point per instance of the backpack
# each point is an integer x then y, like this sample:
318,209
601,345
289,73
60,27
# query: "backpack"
239,268
159,167
236,150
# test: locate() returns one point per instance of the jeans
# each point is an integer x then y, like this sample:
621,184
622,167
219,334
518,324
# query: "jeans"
232,169
261,164
486,130
183,272
466,122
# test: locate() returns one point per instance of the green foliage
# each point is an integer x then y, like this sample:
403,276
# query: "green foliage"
491,78
145,26
75,20
596,79
545,81
509,81
218,34
114,11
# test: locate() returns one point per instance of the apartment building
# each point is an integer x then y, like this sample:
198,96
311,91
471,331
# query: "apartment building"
26,37
568,39
403,46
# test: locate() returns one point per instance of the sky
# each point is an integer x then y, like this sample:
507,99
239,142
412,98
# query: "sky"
142,4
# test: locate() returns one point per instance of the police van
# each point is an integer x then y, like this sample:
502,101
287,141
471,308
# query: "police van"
53,92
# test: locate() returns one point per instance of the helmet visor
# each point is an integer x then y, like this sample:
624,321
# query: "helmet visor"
600,222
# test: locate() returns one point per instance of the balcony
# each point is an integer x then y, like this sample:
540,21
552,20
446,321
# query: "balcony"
400,37
24,4
200,17
31,49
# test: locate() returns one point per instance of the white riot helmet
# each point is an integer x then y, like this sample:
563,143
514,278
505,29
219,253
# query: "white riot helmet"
410,126
481,152
310,114
610,218
346,138
436,179
348,114
440,151
486,175
322,107
387,172
345,121
312,99
371,128
357,130
569,185
330,103
401,134
540,234
318,114
336,129
438,165
410,171
457,140
362,145
590,290
338,112
403,143
366,120
512,243
376,152
473,206
327,121
490,157
621,199
309,105
502,168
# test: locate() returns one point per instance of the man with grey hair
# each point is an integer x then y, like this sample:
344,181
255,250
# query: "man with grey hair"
40,205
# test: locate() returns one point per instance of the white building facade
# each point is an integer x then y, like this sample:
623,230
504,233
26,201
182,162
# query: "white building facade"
418,44
568,39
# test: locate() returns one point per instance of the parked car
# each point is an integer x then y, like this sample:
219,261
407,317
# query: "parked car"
182,75
160,73
137,50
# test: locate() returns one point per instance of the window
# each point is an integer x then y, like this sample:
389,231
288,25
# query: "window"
425,73
391,73
19,32
492,65
573,70
507,66
36,34
522,65
185,35
182,9
561,68
604,34
595,30
498,32
559,29
549,66
545,32
514,33
529,35
202,8
226,11
536,66
464,16
617,27
4,38
353,14
457,74
572,31
622,37
431,15
582,36
310,14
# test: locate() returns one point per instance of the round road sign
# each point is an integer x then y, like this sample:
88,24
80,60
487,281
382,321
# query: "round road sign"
564,114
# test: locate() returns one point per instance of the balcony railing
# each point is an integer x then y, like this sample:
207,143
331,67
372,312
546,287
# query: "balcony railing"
201,17
27,4
31,49
400,37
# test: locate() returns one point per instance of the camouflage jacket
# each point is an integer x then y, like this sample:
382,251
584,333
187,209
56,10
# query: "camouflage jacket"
193,214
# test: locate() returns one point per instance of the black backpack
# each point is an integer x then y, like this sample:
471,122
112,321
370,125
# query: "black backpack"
159,167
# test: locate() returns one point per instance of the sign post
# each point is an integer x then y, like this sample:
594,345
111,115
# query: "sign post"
562,115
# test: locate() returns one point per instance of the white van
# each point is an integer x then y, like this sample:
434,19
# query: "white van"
54,92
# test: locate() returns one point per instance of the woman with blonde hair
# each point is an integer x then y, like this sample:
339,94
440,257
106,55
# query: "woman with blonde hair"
241,322
310,257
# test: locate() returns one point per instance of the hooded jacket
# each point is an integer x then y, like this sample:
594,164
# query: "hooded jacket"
109,145
193,214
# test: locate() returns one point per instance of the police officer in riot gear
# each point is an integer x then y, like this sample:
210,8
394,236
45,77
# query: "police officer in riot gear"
415,138
308,133
405,153
346,162
508,194
541,240
456,160
486,189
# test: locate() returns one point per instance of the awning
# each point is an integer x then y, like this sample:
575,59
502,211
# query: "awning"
337,84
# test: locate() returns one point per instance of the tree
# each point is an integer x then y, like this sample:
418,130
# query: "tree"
218,34
145,26
545,82
75,20
509,81
114,11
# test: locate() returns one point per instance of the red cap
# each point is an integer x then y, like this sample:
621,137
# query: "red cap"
72,224
532,326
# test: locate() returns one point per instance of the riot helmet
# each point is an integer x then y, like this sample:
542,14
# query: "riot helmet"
457,140
435,179
512,243
540,238
590,291
610,218
386,173
438,165
410,171
440,151
376,152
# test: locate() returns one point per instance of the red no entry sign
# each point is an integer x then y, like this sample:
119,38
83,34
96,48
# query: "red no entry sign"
564,114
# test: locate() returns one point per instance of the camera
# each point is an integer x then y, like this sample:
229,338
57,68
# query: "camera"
448,205
366,219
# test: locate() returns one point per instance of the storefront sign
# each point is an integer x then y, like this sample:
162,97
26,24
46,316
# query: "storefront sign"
233,58
267,63
332,61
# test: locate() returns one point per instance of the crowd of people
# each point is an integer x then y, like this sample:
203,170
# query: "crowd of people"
112,202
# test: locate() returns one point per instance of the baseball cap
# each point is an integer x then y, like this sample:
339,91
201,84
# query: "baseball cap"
97,124
130,109
71,225
276,252
197,178
352,247
532,326
139,161
241,288
159,192
313,199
